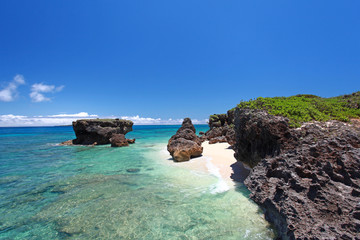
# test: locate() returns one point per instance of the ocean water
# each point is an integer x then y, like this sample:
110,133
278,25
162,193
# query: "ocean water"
84,192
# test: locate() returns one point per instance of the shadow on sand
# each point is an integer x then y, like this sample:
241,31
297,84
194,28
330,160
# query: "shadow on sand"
240,173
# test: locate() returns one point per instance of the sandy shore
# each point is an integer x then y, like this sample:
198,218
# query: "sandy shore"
218,159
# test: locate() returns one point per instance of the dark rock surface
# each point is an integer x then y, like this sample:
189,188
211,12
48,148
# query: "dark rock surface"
259,134
98,131
306,179
230,136
185,144
118,140
221,128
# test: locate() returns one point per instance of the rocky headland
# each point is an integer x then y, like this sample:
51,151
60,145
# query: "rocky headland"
304,156
185,144
101,131
307,179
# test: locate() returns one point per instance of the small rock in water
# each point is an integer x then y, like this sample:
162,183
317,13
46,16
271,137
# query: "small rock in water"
67,143
133,170
118,140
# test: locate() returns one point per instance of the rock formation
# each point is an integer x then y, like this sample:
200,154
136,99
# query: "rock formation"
259,134
119,140
100,131
306,179
221,128
185,144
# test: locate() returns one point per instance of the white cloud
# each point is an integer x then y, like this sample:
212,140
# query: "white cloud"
9,93
38,97
11,120
158,121
80,114
38,90
19,79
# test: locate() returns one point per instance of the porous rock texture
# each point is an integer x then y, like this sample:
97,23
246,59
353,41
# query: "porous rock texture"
98,131
221,128
306,179
185,144
259,134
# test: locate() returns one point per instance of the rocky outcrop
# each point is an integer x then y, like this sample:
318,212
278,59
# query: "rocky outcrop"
119,140
306,179
185,144
221,128
99,131
259,134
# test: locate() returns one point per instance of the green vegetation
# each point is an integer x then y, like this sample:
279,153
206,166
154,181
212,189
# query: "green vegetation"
214,118
218,120
305,108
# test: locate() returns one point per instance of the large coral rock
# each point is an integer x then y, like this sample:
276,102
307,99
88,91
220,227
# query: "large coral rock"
185,144
306,179
99,131
182,149
259,134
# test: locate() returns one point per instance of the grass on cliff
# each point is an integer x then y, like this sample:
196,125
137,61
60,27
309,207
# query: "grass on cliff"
305,108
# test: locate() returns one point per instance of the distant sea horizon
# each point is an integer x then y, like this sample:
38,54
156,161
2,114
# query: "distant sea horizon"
204,124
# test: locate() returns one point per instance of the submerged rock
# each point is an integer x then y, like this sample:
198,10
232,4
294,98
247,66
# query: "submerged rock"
185,144
306,179
99,131
133,170
68,143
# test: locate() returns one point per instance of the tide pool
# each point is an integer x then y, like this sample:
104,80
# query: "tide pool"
84,192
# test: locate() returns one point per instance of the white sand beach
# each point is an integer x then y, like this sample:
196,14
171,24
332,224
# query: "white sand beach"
218,159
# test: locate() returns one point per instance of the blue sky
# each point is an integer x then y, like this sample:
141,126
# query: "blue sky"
170,59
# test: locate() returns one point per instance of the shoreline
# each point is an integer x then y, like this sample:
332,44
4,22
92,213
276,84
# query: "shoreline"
218,160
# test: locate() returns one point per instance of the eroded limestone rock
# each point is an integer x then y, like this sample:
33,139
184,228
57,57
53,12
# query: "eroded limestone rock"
185,144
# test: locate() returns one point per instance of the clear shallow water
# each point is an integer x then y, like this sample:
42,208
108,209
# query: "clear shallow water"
79,192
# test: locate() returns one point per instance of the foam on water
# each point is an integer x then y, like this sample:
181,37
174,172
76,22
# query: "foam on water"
221,185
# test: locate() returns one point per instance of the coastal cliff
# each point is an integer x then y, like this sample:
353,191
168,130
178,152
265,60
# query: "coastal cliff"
101,131
306,178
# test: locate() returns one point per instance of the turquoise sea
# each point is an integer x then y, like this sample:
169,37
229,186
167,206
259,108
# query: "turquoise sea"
83,192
